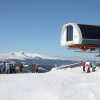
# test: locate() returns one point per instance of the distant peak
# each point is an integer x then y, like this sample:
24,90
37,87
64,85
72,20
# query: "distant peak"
21,52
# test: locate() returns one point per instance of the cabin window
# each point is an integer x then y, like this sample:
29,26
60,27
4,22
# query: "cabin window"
69,33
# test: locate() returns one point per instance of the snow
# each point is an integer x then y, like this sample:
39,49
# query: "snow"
24,55
58,84
20,55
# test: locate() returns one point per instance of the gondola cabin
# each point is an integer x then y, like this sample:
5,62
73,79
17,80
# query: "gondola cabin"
80,36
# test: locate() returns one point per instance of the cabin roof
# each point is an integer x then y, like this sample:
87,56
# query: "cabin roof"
90,31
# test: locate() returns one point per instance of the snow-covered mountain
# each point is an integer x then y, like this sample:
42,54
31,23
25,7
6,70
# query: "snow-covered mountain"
23,55
30,58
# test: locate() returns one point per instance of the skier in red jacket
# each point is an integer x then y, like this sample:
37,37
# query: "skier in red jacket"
36,68
82,63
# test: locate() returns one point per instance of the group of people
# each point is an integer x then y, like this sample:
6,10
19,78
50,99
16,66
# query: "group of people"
9,68
86,66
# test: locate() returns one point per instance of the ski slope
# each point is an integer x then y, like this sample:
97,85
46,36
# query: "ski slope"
62,84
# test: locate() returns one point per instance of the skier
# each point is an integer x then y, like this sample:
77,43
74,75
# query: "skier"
21,68
17,69
10,68
82,63
36,68
93,66
13,68
7,68
4,67
87,65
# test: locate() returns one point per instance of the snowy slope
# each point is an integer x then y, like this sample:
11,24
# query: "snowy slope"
69,84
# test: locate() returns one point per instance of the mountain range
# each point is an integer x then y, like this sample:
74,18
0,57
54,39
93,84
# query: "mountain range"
22,55
30,58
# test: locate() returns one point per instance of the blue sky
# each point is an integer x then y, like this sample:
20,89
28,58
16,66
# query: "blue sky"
35,25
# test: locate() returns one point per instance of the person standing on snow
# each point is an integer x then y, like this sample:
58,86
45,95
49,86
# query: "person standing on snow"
36,68
7,68
82,63
93,66
4,67
21,68
87,65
